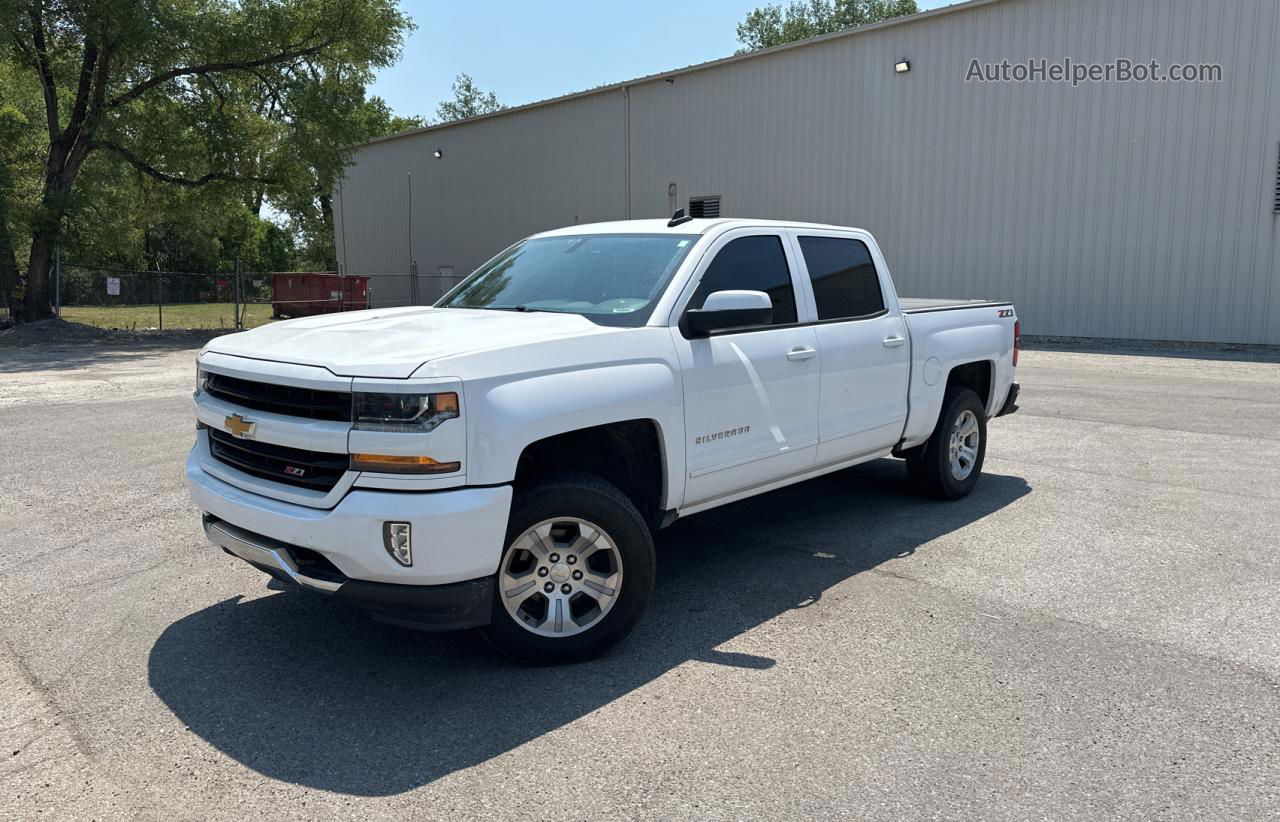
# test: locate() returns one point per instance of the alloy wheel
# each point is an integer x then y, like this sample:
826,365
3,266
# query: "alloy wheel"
561,577
962,449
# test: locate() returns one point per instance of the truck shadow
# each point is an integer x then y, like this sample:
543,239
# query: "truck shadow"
307,693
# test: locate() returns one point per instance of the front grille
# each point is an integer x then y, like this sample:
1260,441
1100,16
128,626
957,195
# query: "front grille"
281,399
318,470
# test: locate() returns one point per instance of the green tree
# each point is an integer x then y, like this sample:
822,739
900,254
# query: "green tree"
468,101
773,25
21,162
233,97
119,216
308,201
12,125
309,204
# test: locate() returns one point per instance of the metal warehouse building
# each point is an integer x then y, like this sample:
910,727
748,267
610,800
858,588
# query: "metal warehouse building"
1146,210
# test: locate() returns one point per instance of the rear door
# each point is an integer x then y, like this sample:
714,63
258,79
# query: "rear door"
863,337
751,396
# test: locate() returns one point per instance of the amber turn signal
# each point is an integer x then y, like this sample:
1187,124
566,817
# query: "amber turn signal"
387,464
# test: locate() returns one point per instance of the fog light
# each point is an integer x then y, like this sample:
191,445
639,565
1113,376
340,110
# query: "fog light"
395,538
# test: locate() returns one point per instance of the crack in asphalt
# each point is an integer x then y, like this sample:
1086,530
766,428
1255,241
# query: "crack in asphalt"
46,697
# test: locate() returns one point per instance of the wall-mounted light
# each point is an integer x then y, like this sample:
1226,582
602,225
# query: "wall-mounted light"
437,154
902,66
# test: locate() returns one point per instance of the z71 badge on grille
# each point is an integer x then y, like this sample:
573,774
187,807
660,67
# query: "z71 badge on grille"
239,426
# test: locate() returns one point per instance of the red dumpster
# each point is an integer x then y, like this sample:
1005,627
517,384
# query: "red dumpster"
295,294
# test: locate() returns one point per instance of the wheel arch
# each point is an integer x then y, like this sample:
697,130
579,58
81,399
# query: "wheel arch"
596,409
926,400
978,376
628,454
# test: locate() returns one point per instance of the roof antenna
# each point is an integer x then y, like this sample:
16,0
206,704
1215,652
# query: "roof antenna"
678,218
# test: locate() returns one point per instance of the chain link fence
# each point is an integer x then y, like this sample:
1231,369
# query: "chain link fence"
143,300
130,300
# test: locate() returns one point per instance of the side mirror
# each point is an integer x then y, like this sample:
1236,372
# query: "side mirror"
729,309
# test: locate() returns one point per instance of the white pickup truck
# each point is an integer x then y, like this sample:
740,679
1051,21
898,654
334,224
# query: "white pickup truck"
502,458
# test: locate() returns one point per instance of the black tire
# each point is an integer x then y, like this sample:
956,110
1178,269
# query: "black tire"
929,465
588,498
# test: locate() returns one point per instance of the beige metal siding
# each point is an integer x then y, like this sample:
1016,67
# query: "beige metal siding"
1109,210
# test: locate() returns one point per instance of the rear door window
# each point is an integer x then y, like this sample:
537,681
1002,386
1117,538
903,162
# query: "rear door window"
845,283
752,264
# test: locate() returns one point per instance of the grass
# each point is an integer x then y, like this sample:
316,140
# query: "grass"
182,315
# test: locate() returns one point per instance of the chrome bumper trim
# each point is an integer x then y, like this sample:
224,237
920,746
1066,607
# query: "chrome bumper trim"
260,551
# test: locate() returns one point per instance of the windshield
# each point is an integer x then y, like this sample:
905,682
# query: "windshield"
611,279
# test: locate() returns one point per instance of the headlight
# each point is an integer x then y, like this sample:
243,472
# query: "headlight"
403,412
202,378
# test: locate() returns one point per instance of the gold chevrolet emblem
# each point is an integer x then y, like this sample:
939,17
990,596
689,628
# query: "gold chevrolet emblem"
239,426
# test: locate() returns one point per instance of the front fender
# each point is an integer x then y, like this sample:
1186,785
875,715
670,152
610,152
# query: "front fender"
508,415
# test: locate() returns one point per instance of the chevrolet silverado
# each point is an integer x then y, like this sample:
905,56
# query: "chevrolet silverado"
503,458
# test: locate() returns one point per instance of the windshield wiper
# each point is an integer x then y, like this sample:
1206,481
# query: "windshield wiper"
523,309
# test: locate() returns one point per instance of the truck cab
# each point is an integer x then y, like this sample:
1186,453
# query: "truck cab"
501,459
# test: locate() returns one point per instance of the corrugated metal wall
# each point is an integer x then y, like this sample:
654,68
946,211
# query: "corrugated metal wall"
1108,210
497,181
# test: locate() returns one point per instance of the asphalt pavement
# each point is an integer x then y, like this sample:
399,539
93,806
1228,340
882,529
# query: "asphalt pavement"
1094,633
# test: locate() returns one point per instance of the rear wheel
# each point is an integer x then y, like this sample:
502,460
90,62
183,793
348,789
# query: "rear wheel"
576,573
948,465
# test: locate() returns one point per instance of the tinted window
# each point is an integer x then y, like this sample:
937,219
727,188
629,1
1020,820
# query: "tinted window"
843,276
751,264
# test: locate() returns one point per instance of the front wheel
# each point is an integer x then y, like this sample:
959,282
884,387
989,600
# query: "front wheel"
576,573
947,466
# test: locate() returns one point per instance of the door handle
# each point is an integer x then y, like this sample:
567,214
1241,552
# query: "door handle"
894,341
798,354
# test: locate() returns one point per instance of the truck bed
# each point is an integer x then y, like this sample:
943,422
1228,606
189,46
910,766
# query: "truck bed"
921,305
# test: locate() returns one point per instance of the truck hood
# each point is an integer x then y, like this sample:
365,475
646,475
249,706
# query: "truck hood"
393,343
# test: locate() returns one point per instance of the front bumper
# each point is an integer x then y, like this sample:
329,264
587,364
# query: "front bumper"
428,607
458,534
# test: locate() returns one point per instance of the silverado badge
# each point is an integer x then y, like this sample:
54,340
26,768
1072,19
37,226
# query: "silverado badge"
239,426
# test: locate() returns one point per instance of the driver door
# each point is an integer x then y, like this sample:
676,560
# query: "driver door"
751,395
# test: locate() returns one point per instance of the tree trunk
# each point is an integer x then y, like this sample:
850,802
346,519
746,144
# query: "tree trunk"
60,174
38,304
